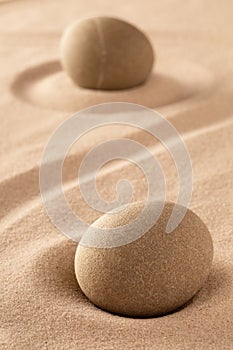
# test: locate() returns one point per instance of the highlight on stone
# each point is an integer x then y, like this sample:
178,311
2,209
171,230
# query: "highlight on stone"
153,275
106,53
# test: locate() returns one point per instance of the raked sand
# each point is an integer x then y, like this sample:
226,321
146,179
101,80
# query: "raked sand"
42,306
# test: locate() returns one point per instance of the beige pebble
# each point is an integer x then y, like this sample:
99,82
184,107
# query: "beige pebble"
152,275
106,53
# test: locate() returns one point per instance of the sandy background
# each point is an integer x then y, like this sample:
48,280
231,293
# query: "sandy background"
41,304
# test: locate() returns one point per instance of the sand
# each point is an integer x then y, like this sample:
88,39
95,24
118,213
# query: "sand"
41,305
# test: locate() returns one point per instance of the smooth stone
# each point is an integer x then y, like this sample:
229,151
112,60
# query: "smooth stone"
106,53
154,274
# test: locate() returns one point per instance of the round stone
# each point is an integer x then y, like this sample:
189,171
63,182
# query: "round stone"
106,53
155,274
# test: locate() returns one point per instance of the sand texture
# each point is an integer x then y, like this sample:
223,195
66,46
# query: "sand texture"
41,304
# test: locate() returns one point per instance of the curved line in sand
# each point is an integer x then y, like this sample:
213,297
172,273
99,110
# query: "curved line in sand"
14,210
46,85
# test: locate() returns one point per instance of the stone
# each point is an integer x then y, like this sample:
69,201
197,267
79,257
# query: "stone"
106,53
153,275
